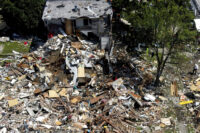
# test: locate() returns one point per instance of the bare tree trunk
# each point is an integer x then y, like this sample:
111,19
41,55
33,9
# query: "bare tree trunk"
157,81
162,61
161,65
158,74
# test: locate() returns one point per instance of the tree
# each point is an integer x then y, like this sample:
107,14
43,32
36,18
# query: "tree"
118,5
22,15
168,24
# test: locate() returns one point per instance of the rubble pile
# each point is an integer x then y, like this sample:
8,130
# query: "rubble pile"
191,98
73,86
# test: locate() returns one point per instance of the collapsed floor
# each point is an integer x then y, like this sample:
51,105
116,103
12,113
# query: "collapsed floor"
73,86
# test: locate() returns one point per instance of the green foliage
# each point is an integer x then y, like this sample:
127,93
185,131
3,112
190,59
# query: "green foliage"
180,58
22,15
166,24
161,19
119,5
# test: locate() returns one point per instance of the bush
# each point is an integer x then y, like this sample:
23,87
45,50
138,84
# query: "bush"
23,16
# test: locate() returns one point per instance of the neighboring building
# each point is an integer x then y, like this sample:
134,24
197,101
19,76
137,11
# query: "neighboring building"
195,4
89,17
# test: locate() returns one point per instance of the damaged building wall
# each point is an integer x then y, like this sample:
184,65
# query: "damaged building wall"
85,26
92,18
97,26
68,27
93,25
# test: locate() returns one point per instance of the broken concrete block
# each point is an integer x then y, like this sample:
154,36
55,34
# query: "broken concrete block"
163,98
1,97
41,69
166,121
195,87
136,98
162,125
117,83
161,78
23,65
63,92
101,53
53,94
30,58
77,45
13,81
134,95
30,111
96,99
13,102
37,91
174,89
87,63
29,84
60,36
45,94
42,118
3,130
47,126
81,71
149,97
76,100
58,123
22,77
80,125
4,39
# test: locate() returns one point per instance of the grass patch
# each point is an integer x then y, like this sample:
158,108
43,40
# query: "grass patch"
16,46
180,58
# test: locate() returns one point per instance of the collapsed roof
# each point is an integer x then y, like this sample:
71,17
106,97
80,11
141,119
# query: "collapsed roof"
72,9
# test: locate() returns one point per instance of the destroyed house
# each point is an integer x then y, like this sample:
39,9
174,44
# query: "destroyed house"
90,18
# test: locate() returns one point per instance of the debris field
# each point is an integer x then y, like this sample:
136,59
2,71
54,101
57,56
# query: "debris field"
70,85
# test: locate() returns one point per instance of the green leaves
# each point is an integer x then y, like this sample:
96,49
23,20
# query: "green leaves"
166,23
22,15
164,18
